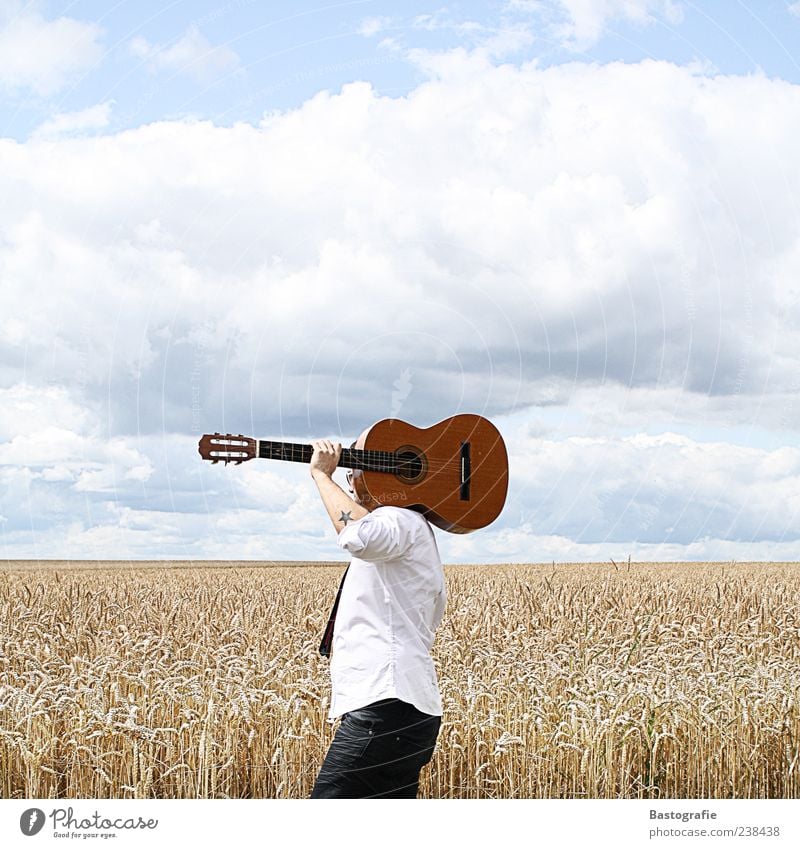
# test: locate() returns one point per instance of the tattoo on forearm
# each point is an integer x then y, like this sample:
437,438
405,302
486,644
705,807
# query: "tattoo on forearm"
345,517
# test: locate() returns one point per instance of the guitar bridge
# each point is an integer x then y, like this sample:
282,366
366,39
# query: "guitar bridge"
466,471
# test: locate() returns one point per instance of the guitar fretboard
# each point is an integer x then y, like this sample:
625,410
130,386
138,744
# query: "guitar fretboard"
367,460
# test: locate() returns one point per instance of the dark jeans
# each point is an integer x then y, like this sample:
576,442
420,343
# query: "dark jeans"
378,752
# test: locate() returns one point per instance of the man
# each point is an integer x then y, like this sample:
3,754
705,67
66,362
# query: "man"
384,684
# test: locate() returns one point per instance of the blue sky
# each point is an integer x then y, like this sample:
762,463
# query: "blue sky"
276,55
290,220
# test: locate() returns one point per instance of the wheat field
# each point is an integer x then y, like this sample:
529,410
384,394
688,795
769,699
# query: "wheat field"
202,680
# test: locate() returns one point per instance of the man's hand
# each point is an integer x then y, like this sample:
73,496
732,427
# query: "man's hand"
325,457
341,508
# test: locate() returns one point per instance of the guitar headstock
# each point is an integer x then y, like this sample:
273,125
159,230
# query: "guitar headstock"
227,448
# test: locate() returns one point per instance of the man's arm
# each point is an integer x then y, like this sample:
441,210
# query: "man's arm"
342,509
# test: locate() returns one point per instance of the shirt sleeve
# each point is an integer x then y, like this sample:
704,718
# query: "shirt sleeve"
375,537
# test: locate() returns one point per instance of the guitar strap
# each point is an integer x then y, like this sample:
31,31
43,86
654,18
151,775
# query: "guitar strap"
326,645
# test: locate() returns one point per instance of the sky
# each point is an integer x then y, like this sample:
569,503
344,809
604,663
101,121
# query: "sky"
579,218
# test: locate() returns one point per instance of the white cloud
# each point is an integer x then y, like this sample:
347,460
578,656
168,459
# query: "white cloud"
374,25
465,230
66,490
45,431
74,123
43,55
578,24
192,54
522,545
494,41
659,488
615,248
794,9
664,497
26,409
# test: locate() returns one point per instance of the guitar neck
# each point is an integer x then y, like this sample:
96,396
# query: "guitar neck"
367,460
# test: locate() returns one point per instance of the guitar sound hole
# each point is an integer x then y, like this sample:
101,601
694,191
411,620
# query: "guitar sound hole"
411,465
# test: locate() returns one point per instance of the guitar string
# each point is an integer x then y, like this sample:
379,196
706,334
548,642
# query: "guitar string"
436,465
369,455
391,460
275,451
387,459
431,465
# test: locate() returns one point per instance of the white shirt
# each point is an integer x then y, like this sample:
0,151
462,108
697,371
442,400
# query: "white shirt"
391,604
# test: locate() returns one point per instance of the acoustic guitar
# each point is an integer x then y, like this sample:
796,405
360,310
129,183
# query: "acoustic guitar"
455,473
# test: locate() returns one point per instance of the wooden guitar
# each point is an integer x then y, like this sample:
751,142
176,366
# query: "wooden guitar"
455,473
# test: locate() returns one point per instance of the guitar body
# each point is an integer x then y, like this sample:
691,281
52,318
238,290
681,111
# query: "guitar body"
455,473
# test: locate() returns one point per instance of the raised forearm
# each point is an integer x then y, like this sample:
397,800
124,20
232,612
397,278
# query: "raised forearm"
341,508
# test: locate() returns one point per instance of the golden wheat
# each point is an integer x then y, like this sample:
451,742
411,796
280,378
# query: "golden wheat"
601,681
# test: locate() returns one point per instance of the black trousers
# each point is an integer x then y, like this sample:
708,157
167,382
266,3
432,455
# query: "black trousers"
378,752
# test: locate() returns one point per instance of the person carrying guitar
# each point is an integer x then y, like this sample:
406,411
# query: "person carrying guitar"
384,685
